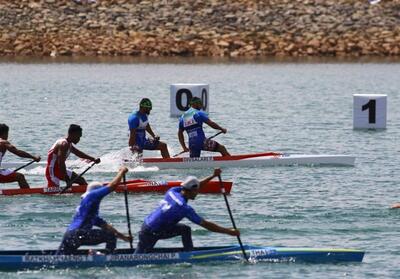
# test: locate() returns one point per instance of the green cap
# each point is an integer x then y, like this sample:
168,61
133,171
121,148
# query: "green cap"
145,103
196,100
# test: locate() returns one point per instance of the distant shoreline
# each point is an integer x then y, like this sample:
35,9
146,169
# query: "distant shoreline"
181,28
194,60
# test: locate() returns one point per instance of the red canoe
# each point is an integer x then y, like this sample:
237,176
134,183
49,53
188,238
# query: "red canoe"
133,186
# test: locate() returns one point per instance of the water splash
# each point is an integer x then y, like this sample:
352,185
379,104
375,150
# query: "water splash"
112,161
39,170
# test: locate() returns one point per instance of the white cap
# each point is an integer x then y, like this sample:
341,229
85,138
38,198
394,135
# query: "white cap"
91,186
191,182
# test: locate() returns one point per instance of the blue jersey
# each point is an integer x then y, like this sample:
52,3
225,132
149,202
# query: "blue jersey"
87,213
138,121
192,122
172,209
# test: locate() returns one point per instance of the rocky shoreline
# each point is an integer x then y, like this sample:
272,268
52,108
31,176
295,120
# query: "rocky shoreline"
214,28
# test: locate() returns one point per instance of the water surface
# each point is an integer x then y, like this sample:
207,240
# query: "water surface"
289,107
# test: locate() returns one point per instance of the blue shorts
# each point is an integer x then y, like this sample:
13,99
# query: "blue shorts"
72,240
148,238
150,144
208,145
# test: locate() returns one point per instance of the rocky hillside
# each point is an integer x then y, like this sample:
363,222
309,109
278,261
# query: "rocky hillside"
200,28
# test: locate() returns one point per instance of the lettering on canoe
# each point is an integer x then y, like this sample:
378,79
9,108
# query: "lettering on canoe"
56,258
262,252
198,159
143,257
157,183
53,190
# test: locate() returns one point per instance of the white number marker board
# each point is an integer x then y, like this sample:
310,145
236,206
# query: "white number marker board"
369,111
182,93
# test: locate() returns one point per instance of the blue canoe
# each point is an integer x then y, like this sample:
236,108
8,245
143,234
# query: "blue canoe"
36,259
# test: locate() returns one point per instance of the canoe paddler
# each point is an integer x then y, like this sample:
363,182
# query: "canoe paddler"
8,175
81,232
138,126
192,122
56,169
163,222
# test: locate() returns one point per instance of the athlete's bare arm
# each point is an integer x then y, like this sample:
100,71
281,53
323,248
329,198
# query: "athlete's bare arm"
181,138
83,155
19,152
214,125
61,149
150,131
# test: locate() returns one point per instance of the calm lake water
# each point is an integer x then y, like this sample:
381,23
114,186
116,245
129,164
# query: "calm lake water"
294,107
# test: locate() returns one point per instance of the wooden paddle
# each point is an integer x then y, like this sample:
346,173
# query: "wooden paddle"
24,166
230,215
69,185
128,219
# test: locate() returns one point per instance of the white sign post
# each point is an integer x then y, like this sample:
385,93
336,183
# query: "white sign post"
369,111
182,93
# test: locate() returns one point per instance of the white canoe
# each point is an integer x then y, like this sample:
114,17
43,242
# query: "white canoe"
245,160
249,160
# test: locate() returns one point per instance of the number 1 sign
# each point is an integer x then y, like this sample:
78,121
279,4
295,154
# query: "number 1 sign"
369,111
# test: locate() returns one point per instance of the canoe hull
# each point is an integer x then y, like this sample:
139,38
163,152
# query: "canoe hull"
266,159
250,160
18,260
133,186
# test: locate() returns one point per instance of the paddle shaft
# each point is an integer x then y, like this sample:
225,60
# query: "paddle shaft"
128,219
231,215
24,166
69,185
215,135
180,153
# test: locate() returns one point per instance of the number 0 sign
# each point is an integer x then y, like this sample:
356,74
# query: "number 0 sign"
181,94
